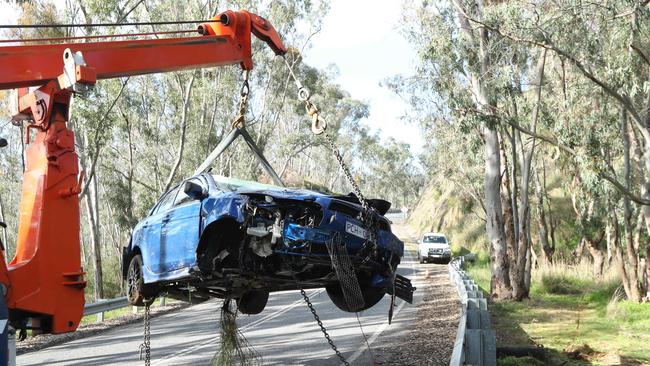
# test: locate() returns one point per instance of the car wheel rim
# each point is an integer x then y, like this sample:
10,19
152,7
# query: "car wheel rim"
134,277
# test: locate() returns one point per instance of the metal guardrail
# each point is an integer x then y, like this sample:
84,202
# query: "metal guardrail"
475,341
102,306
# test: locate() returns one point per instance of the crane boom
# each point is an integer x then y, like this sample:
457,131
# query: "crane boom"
45,281
225,41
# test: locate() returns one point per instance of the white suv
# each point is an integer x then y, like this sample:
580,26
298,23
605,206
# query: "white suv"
434,247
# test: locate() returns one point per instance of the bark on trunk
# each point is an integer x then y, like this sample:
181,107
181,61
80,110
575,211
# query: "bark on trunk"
181,138
598,258
629,275
542,225
500,282
508,217
521,286
95,237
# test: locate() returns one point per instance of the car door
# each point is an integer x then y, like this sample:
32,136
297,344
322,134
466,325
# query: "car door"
180,231
153,255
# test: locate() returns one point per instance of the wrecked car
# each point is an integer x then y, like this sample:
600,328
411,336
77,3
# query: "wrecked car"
213,236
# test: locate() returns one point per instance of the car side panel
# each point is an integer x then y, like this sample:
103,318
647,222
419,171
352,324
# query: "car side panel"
150,246
179,237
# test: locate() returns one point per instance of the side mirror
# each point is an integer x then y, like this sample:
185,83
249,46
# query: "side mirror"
3,142
194,190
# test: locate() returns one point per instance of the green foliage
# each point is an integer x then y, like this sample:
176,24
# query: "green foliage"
519,361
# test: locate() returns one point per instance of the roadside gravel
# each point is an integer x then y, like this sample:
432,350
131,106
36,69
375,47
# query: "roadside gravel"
431,340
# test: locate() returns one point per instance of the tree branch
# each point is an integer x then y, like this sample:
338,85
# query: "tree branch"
621,98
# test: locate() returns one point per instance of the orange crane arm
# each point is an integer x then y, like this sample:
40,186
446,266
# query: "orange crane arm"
45,281
225,41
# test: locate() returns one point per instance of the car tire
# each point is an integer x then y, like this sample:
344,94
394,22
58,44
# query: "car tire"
371,296
252,302
137,292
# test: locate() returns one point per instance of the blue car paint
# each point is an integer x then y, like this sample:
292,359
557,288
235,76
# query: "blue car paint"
168,240
179,235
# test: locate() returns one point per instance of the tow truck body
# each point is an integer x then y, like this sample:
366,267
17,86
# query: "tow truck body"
44,283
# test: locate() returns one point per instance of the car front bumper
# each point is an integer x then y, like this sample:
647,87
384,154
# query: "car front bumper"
443,256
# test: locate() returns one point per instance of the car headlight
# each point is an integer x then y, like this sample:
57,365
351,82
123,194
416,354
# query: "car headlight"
447,250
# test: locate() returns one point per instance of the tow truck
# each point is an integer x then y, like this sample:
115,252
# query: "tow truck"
43,285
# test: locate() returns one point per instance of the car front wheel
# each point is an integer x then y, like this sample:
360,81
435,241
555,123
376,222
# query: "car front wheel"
252,302
137,292
371,296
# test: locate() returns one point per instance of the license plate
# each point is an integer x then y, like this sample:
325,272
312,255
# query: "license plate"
355,230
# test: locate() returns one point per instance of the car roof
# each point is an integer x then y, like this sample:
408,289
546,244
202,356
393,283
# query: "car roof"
434,234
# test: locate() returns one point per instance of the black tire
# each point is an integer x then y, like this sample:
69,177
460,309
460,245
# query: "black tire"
252,302
371,296
137,292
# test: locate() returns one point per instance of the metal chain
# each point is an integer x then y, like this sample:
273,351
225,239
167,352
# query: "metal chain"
322,328
240,120
368,216
146,339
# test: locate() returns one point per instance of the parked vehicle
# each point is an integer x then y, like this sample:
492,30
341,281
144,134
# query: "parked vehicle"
434,247
212,236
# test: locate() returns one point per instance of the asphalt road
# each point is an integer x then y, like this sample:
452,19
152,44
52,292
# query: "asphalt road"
285,333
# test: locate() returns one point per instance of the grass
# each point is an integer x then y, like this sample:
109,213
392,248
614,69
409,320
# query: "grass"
569,308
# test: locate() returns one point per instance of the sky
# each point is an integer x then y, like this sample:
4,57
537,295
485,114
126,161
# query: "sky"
362,39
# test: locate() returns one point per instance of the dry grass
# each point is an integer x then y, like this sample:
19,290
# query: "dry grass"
564,278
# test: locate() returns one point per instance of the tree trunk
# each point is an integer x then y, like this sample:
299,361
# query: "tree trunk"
508,217
598,257
521,285
631,275
93,222
542,226
647,270
500,282
181,138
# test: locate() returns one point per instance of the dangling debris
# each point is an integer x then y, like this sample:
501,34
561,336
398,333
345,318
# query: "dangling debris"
235,349
345,273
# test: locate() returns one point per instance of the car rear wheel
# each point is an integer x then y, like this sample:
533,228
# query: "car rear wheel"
137,292
252,302
371,296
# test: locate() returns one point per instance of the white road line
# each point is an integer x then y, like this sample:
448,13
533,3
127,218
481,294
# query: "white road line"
211,340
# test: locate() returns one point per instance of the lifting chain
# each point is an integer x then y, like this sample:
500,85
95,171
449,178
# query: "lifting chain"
322,328
318,127
240,120
368,215
146,339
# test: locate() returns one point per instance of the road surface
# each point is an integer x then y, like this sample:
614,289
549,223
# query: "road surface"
285,333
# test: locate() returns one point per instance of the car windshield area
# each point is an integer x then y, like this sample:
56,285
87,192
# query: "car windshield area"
235,185
437,239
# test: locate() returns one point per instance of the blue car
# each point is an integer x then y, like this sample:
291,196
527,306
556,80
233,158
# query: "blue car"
213,236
